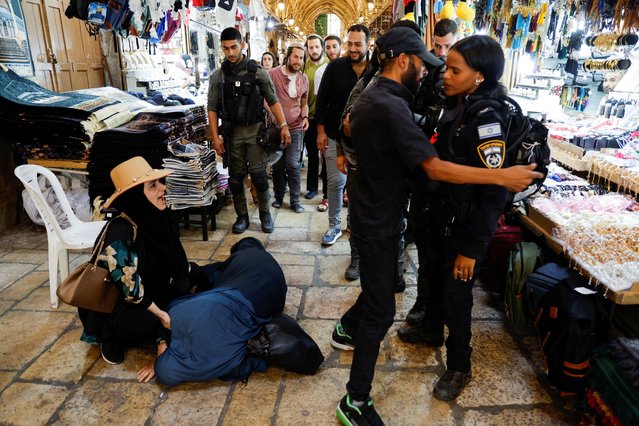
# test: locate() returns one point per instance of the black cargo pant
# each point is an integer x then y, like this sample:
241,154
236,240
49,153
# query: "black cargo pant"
448,301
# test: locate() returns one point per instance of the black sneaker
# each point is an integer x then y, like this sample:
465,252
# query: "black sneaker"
341,340
297,207
359,413
352,272
417,334
241,223
450,385
277,203
112,352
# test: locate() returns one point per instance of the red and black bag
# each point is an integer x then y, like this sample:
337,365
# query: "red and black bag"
495,269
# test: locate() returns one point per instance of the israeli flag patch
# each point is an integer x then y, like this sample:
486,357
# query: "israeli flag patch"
486,131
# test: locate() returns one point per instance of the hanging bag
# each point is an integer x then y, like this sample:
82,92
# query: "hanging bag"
89,286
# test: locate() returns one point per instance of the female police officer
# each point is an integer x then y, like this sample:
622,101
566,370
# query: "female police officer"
465,216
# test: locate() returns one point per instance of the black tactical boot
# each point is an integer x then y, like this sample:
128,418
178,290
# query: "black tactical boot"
267,222
241,223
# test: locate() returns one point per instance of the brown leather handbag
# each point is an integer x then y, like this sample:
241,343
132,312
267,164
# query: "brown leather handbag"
89,286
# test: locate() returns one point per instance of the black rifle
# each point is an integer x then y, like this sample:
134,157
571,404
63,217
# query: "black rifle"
226,129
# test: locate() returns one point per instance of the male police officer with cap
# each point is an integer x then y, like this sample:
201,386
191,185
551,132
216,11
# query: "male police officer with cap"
238,90
389,146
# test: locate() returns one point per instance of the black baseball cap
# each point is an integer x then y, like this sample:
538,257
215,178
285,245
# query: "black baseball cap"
404,40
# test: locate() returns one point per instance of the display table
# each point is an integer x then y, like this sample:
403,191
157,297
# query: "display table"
544,227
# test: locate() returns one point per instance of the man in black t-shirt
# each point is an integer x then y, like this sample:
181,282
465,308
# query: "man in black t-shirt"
389,146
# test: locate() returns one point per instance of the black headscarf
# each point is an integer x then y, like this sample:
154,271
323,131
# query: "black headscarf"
161,257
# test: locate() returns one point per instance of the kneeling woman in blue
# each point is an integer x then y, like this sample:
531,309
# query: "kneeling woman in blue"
464,216
210,330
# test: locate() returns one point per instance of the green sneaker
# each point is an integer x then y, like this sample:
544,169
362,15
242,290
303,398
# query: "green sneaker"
341,340
359,413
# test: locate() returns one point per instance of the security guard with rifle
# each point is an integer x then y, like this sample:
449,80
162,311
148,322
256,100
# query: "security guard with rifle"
237,91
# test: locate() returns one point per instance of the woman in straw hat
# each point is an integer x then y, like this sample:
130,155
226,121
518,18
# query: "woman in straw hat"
149,265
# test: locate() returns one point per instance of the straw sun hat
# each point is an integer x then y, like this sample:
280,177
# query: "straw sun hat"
132,172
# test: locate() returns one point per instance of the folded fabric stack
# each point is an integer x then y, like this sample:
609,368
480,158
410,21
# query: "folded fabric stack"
147,135
612,395
44,124
193,182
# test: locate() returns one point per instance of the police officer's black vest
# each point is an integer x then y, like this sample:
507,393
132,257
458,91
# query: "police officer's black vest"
243,103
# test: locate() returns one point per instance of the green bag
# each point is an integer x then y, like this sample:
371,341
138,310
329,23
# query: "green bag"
523,260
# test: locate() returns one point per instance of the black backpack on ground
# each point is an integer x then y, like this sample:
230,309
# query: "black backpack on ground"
570,323
542,280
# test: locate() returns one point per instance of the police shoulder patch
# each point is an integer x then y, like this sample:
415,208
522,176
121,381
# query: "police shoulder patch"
492,153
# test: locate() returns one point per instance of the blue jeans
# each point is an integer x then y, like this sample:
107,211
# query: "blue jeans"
336,183
288,168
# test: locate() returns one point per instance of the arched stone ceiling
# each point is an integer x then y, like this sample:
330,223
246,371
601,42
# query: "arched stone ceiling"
306,11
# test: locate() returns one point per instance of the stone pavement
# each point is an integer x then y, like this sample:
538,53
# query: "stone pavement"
48,376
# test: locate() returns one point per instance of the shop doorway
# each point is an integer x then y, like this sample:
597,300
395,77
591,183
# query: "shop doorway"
65,56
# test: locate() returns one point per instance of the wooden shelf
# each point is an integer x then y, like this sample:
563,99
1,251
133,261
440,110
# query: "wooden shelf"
61,164
71,166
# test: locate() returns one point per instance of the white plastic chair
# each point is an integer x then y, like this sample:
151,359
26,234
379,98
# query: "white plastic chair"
79,235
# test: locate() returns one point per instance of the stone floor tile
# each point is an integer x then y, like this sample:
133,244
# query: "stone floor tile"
67,360
30,403
341,248
253,403
5,305
404,301
298,275
40,300
197,403
20,288
293,301
224,249
501,374
289,234
486,305
319,222
332,270
195,234
297,407
5,378
20,255
12,272
25,334
408,355
287,218
294,247
329,302
405,398
99,402
292,259
322,217
135,359
549,415
199,250
26,236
